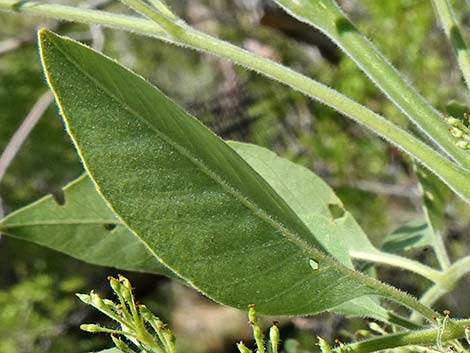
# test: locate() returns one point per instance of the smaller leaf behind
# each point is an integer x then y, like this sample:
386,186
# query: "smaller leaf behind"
84,228
414,234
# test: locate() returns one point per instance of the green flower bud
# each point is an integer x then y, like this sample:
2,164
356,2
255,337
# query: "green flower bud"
456,132
252,317
364,333
465,145
376,328
324,345
274,337
125,282
96,301
453,121
121,345
84,298
145,313
115,285
126,289
91,328
169,336
110,304
242,348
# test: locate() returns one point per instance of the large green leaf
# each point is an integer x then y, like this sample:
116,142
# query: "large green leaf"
83,227
194,202
67,227
321,210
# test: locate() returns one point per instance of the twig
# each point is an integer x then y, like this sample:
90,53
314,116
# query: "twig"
12,44
23,132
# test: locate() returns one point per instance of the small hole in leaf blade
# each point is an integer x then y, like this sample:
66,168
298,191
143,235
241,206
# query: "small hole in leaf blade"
336,210
110,226
314,264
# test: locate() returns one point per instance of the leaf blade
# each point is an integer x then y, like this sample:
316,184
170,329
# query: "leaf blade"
138,151
81,228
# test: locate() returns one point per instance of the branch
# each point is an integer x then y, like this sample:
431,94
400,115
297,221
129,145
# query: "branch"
453,330
326,16
23,132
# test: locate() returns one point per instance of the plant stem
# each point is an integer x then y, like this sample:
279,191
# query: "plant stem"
22,133
184,35
439,247
444,12
453,275
88,16
402,262
453,330
395,319
163,8
326,16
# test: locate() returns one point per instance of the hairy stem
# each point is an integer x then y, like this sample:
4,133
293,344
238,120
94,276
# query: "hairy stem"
439,248
431,274
444,12
453,275
326,16
163,8
181,34
453,330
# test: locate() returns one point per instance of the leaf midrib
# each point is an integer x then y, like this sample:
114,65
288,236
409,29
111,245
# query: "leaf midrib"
71,222
259,212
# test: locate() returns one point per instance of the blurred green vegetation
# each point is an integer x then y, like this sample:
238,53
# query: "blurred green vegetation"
374,180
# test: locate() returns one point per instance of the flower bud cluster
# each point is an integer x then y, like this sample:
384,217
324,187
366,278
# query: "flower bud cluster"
135,321
460,129
274,336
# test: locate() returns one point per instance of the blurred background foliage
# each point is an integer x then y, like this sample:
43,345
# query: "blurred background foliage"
38,312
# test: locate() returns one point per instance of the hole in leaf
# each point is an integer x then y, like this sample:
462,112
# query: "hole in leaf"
59,197
314,264
336,210
343,25
110,226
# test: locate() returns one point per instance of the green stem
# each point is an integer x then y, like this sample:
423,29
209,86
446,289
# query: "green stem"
183,35
459,269
326,16
443,10
453,275
163,8
433,294
395,319
88,16
439,246
402,262
453,330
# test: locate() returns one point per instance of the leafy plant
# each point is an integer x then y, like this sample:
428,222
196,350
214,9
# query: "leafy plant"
163,194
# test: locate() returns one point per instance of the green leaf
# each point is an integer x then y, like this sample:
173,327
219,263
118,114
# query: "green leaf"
44,221
195,203
84,228
317,205
414,234
435,196
314,202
